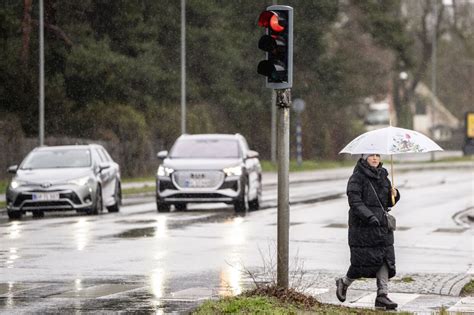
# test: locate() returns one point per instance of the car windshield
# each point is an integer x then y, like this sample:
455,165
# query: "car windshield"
57,159
205,148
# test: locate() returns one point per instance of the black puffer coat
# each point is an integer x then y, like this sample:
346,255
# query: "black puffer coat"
370,245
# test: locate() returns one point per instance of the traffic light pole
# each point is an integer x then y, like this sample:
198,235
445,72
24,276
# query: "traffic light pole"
283,103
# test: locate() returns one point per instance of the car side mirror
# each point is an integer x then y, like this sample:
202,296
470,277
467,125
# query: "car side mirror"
162,155
251,154
12,169
103,166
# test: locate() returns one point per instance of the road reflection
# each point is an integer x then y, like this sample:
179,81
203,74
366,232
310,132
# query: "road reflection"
161,230
14,230
231,280
157,283
12,257
231,275
82,234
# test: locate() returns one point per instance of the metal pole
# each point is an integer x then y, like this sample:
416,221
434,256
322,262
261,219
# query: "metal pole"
41,74
273,129
299,148
183,66
283,102
274,118
433,71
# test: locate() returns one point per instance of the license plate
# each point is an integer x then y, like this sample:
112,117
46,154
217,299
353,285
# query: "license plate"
197,183
45,196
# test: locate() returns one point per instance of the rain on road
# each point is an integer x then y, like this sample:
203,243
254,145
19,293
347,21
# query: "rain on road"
140,260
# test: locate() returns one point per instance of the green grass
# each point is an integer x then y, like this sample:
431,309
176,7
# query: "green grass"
468,289
3,185
138,179
309,165
404,280
270,305
138,190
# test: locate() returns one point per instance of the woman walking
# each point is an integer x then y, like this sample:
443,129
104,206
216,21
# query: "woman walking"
369,193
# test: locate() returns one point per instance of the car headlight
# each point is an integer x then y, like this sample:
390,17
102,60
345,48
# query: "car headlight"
16,183
164,171
81,181
233,171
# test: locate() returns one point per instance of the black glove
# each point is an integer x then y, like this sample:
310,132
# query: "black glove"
373,221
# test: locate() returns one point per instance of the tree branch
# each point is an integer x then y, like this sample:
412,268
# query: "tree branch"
57,31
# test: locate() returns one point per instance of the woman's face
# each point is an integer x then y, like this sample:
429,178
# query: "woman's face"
374,160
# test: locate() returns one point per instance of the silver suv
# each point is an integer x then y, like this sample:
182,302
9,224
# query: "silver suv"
77,177
209,168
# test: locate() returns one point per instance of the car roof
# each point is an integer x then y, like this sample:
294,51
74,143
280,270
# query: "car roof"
66,147
211,136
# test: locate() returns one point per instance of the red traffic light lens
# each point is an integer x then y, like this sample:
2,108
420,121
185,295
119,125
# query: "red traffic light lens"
270,19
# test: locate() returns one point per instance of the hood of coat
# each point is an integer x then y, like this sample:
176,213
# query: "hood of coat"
374,172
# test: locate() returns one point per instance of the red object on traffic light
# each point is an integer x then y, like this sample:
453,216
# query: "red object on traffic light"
270,19
277,43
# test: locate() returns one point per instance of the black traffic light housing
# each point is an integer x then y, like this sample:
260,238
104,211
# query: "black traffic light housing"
278,45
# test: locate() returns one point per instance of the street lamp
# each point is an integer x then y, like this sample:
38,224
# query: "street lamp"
298,107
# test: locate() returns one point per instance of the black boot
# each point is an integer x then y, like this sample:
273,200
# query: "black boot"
383,301
341,290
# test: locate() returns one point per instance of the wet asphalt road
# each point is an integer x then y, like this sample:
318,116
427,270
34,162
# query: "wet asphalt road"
141,261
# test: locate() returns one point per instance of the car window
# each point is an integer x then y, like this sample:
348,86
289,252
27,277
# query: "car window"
205,148
57,159
102,156
106,154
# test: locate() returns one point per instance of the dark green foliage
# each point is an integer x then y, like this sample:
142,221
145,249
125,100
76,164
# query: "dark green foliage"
113,69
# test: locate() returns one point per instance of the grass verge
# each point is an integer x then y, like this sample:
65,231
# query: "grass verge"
138,190
273,300
310,165
468,289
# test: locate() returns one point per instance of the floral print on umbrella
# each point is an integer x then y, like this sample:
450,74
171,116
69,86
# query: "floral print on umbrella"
403,143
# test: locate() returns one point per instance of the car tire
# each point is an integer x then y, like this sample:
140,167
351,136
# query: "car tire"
14,215
38,214
180,206
98,204
163,207
118,199
242,202
255,204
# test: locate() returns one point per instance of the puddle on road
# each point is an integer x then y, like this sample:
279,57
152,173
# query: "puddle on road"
136,221
135,233
175,224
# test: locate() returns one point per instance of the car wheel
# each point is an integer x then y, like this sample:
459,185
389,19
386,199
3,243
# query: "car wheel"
118,199
255,204
180,206
97,206
163,207
241,204
38,214
14,215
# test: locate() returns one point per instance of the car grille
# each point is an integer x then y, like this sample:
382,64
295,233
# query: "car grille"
198,179
65,195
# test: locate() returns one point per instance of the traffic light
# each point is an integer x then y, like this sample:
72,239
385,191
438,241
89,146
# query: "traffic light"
278,45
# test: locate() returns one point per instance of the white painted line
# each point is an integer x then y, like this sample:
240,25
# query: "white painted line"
317,291
368,301
465,305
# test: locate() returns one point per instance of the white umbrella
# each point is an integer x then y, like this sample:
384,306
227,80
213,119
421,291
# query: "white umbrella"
389,141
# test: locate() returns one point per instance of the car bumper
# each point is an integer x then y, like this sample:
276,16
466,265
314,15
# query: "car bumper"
168,192
69,198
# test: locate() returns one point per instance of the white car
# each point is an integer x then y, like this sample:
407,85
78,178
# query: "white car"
208,168
57,178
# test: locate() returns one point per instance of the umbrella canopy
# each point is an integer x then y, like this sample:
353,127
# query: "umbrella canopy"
391,140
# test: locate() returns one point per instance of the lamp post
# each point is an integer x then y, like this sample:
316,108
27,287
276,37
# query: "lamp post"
183,66
41,74
298,107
